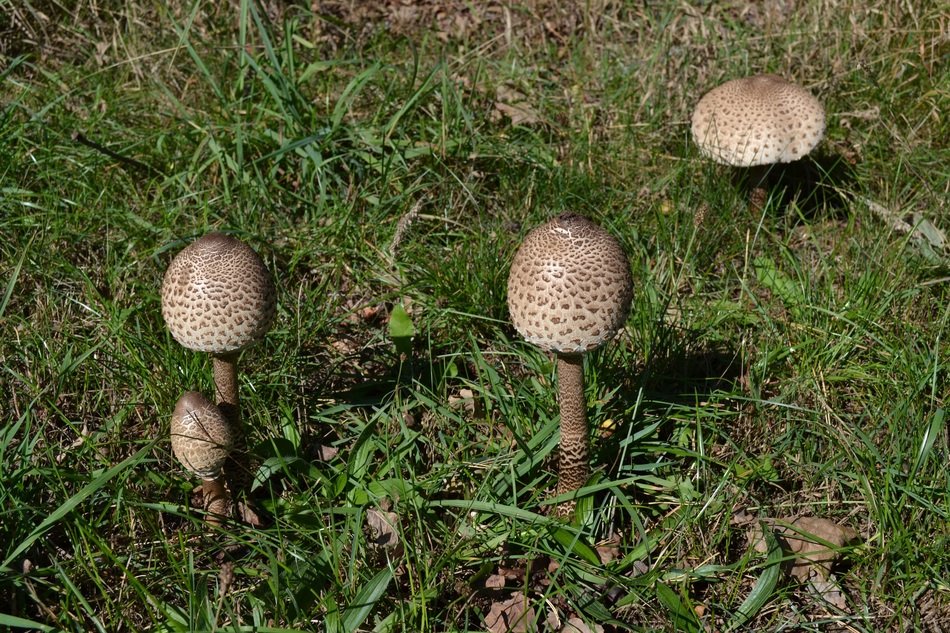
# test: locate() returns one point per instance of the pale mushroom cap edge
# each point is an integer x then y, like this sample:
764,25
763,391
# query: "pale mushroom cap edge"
757,120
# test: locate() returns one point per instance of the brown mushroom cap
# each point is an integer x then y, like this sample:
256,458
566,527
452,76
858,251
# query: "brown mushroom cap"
757,120
217,295
201,436
569,289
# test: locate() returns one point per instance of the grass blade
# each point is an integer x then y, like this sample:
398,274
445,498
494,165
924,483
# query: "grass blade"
365,600
764,586
937,424
71,503
14,622
683,617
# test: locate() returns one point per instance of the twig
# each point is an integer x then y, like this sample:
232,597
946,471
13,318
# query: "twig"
125,160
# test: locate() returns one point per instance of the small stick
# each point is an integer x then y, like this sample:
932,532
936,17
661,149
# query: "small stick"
125,160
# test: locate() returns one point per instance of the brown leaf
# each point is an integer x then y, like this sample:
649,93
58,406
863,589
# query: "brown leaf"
326,453
576,625
466,401
511,616
815,540
514,105
520,113
829,591
609,550
248,515
382,528
495,581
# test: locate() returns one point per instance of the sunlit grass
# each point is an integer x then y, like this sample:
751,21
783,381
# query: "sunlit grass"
775,364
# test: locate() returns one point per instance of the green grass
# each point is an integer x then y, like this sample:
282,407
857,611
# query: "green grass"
792,362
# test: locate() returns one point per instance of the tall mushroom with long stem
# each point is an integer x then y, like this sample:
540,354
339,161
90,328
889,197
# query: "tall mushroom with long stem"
569,291
218,297
202,440
755,122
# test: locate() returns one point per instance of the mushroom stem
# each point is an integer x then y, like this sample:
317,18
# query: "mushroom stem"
217,500
236,472
573,467
226,386
757,177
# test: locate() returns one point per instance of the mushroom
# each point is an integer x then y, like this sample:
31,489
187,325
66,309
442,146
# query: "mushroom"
218,297
569,291
201,441
755,122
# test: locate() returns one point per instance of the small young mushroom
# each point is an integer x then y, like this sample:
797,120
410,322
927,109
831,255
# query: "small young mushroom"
218,297
569,292
755,122
201,441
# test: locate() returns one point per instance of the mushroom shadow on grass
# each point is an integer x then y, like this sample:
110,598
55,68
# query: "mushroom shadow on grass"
569,292
679,374
815,185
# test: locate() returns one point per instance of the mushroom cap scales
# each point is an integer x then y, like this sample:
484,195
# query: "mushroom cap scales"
570,287
201,436
217,295
757,120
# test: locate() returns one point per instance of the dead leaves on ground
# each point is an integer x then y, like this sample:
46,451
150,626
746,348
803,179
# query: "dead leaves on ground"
515,105
815,543
516,615
513,615
517,583
383,529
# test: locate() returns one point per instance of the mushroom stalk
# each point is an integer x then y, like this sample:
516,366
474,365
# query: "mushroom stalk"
216,499
573,467
569,291
757,176
226,386
236,470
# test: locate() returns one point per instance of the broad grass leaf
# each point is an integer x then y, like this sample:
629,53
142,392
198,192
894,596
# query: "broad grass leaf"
683,617
359,609
401,329
764,586
780,284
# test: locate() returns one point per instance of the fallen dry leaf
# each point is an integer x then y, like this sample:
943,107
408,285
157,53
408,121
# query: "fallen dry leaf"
382,528
495,581
520,113
609,549
576,625
326,453
815,541
514,105
829,591
511,616
467,401
248,515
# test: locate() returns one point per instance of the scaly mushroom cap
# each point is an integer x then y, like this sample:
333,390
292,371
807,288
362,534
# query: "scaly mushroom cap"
201,436
570,287
757,120
217,295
